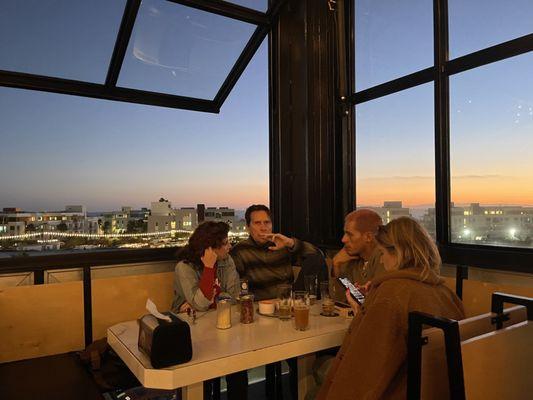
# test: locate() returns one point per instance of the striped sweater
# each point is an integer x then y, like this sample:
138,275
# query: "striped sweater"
266,269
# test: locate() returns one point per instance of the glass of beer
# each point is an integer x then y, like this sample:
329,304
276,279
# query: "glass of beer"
310,282
328,305
284,301
300,302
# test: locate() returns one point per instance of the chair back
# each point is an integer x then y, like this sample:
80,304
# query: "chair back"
434,378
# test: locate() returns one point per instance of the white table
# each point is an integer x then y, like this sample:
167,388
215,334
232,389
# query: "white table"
221,352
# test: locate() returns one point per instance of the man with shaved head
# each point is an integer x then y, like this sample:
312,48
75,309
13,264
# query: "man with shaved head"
359,259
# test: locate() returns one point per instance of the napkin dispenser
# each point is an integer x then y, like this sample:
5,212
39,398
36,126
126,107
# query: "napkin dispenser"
166,343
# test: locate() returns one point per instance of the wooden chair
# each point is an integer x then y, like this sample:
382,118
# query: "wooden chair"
434,374
435,361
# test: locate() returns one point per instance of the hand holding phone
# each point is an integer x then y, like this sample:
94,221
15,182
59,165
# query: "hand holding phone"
354,292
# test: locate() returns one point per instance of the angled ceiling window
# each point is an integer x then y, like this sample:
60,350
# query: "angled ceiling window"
71,39
172,53
259,5
180,50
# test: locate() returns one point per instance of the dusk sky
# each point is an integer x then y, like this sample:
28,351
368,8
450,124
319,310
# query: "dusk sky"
491,110
58,150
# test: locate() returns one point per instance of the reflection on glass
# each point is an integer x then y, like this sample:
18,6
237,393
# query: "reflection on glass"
491,154
72,39
395,155
392,39
495,22
181,50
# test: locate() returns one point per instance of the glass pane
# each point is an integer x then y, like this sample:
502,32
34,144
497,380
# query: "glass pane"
491,154
71,39
113,161
259,5
395,155
477,24
392,39
180,50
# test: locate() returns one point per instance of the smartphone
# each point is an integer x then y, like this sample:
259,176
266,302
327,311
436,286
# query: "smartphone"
356,293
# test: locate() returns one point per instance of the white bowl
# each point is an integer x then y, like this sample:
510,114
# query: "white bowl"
267,307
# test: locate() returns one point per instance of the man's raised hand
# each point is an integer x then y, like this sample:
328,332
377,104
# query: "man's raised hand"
280,241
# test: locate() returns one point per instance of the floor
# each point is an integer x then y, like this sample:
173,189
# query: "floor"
63,377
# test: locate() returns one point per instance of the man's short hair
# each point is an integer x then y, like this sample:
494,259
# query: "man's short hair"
365,220
252,208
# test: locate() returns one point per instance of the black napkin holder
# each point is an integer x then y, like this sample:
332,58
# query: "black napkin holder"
166,343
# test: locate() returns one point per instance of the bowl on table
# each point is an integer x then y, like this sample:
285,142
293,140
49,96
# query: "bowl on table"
267,307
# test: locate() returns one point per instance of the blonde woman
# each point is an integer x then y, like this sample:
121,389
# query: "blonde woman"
371,363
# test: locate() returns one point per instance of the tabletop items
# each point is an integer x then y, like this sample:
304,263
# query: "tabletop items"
165,343
223,312
289,304
247,308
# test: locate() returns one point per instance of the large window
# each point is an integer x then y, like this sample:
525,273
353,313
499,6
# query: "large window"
82,174
392,39
395,158
491,154
184,51
477,24
63,39
475,103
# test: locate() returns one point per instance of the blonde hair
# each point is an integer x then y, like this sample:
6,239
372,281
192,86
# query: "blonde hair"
412,245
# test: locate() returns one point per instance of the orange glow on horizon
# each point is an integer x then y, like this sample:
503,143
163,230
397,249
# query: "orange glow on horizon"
417,191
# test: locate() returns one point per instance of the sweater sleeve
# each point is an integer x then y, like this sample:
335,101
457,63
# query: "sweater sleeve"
237,261
207,280
231,284
374,356
188,283
301,250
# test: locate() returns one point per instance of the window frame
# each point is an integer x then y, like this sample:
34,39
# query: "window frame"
494,257
265,23
110,91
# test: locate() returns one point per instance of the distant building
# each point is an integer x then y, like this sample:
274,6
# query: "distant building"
162,217
186,218
200,211
73,219
391,210
161,207
479,224
220,214
127,220
165,218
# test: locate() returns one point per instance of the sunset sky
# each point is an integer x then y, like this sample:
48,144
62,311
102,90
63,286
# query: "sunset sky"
491,108
58,150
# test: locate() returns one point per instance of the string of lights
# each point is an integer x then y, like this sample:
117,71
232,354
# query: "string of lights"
103,235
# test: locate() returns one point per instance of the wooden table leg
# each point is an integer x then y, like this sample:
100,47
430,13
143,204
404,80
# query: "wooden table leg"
193,392
305,374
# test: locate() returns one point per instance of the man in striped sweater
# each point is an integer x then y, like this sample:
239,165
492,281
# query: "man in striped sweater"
266,258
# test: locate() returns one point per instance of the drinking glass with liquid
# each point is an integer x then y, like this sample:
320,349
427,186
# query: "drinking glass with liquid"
310,282
328,304
300,302
284,301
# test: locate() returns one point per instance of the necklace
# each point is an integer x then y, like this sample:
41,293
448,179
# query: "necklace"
364,270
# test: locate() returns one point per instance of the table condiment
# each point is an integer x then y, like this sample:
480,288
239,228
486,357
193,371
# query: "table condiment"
224,314
247,309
